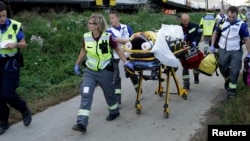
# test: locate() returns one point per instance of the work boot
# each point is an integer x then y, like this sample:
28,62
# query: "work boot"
226,84
196,79
27,118
79,127
3,127
112,116
231,92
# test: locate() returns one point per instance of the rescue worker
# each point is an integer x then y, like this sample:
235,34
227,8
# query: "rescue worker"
242,15
220,15
207,24
121,33
97,48
12,39
230,48
192,36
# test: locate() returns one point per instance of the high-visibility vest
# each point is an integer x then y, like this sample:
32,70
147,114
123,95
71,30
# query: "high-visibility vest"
10,35
99,53
242,17
207,23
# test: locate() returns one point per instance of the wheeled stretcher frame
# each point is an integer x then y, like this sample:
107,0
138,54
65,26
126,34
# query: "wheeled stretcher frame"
157,74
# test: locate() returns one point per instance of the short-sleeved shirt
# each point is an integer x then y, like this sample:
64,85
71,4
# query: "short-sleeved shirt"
130,31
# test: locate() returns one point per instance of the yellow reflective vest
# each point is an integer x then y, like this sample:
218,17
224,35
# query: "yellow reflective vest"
207,24
242,17
99,53
10,35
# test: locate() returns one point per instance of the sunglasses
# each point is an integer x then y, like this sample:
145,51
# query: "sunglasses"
91,23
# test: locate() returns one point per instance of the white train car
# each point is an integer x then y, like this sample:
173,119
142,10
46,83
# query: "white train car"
86,3
194,5
178,3
130,4
188,4
210,4
202,5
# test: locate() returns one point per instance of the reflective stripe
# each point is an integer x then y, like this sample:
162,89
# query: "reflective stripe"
113,107
232,86
118,91
136,85
191,30
88,39
185,76
8,55
82,112
196,71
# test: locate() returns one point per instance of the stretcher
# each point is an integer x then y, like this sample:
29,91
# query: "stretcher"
144,60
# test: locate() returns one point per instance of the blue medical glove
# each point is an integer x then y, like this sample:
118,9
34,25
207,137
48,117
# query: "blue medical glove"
76,69
212,49
129,65
248,56
185,37
193,45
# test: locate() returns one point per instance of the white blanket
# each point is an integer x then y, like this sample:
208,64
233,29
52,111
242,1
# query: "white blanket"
161,49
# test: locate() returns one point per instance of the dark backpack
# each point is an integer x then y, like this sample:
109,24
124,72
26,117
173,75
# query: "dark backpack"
246,72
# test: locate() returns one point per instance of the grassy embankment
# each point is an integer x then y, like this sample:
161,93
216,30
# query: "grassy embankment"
54,41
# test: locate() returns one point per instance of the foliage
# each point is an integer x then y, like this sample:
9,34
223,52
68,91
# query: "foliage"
236,110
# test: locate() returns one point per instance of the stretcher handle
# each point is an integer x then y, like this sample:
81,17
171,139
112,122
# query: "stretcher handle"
185,48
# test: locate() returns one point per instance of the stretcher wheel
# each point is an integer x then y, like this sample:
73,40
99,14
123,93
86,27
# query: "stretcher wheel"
138,111
166,114
184,96
138,108
160,94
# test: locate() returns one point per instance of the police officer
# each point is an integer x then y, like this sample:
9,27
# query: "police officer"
230,48
192,36
12,38
97,48
207,24
121,33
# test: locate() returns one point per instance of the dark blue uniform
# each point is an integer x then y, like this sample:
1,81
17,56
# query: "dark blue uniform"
9,81
192,33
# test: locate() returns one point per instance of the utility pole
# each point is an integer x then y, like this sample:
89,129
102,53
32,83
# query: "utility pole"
206,4
222,4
